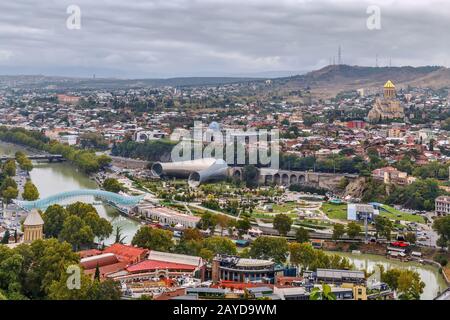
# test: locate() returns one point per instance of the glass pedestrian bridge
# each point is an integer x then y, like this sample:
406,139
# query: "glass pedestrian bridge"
62,198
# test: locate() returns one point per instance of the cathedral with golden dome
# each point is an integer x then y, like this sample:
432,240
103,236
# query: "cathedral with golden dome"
388,107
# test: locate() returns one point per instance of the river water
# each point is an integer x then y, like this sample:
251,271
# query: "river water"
434,282
52,178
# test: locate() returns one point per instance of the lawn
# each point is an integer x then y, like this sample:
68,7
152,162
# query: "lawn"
335,211
339,211
395,214
286,207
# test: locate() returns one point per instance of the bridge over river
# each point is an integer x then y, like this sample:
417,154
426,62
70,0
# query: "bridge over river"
116,199
38,157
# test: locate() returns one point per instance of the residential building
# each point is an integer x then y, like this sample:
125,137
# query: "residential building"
336,276
168,216
244,270
442,205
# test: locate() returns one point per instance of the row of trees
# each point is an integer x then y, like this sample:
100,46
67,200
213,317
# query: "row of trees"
86,160
8,186
433,169
23,161
352,230
191,243
335,163
78,224
194,243
419,195
39,271
156,150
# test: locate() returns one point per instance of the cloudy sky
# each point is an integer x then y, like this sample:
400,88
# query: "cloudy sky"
165,38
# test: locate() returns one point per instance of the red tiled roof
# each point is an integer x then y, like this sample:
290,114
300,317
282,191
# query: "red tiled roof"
148,265
125,252
88,253
105,270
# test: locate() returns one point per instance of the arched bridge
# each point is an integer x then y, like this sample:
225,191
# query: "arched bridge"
115,198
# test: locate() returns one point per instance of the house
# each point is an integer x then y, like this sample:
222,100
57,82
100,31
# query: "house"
392,175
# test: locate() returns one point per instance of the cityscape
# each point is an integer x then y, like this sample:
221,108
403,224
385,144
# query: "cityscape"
326,184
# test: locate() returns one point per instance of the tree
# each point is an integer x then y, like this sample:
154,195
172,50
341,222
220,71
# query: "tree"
324,294
302,254
243,225
353,229
411,237
10,193
8,182
154,239
406,282
101,227
206,254
54,217
442,242
191,234
208,221
5,239
410,285
282,223
80,208
112,185
97,273
30,192
301,235
76,232
90,290
390,277
9,168
383,227
223,222
44,261
118,235
442,227
220,245
26,165
338,231
105,290
250,175
270,248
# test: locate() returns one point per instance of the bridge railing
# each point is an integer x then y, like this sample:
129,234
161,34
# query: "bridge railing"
117,199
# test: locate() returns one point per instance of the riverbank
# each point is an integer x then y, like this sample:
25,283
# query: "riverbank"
434,280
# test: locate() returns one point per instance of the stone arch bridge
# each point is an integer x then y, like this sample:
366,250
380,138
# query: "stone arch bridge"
268,176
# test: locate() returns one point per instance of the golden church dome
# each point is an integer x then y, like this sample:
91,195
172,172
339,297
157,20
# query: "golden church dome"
389,84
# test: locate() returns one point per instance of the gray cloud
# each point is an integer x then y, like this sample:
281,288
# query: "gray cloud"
161,38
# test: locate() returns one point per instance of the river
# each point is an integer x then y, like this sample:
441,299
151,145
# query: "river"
434,282
52,178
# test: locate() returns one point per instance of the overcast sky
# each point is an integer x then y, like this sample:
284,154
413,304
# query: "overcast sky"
165,38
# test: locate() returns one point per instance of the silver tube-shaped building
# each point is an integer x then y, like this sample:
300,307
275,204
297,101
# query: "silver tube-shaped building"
197,171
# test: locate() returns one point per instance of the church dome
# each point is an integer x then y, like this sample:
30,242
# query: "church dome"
214,126
389,85
33,219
